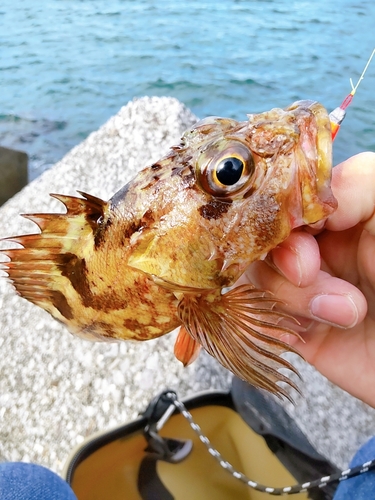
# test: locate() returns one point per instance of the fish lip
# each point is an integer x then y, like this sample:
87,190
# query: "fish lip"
303,103
323,135
316,145
318,110
323,141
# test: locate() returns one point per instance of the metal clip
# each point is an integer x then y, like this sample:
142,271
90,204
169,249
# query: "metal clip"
158,413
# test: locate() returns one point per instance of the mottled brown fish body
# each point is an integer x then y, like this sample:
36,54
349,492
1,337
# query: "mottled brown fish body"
159,253
86,282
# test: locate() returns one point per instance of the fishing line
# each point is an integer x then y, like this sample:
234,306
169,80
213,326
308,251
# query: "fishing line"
338,114
286,490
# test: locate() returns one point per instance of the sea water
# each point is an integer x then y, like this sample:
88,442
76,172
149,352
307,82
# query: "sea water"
66,66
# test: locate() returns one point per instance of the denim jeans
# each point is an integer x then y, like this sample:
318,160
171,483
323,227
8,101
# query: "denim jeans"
361,487
22,481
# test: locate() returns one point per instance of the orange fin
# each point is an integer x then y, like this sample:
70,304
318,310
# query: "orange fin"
186,349
242,330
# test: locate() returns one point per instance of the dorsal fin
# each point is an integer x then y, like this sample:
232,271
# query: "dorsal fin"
37,269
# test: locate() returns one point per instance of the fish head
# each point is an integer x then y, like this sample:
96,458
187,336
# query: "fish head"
229,193
285,153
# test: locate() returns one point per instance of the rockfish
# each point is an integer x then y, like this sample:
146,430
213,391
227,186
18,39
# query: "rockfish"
166,250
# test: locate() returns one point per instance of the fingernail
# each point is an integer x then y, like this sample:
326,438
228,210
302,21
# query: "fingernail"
290,339
337,310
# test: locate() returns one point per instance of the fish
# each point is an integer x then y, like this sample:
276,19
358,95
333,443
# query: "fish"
167,249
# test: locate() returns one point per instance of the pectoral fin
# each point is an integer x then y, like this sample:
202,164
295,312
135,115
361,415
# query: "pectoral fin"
241,330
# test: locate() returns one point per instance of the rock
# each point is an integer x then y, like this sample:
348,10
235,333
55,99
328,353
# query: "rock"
56,389
13,172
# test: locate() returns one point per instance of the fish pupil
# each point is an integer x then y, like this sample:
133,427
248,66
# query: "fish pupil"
229,171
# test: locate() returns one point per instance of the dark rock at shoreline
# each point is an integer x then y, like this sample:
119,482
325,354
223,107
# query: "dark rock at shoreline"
13,172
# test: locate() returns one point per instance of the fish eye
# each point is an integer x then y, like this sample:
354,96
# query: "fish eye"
226,172
229,170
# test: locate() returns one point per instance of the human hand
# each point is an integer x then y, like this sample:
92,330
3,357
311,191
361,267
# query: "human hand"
327,282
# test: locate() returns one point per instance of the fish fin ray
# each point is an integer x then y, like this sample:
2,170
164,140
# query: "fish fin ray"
177,288
245,339
38,269
186,349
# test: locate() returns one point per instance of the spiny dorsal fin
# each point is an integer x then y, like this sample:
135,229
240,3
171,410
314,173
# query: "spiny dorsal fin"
37,269
88,204
89,207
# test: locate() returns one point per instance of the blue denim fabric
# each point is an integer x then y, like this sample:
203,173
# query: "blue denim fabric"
22,481
361,487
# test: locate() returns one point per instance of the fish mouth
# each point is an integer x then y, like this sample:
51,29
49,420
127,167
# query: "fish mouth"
323,137
315,160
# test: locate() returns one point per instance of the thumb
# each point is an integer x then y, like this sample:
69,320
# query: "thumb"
353,184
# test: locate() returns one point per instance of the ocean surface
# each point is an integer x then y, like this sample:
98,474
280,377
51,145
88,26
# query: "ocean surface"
66,66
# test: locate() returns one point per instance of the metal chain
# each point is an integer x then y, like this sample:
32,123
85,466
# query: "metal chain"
286,490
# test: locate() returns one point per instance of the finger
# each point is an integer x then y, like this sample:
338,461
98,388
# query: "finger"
340,251
342,357
329,300
297,258
353,184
